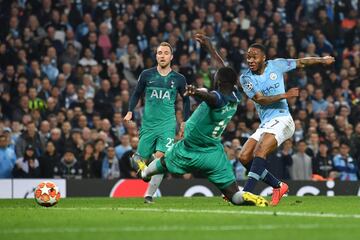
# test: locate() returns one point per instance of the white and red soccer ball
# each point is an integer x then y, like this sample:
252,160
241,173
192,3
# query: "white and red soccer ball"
47,194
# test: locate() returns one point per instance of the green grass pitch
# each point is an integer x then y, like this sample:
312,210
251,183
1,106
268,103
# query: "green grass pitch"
181,218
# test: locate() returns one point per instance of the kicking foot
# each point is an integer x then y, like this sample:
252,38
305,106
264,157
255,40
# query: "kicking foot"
148,199
251,199
278,193
141,167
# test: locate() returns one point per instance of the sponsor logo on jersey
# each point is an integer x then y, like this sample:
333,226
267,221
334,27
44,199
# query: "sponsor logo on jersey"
160,94
273,76
267,91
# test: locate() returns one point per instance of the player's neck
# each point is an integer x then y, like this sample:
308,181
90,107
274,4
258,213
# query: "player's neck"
164,71
261,70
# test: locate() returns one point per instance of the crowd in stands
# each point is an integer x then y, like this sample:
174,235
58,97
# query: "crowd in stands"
68,69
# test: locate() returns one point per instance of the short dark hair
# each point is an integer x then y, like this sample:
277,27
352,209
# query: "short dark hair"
226,75
258,46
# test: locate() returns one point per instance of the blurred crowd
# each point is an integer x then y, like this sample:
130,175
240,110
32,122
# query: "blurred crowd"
68,68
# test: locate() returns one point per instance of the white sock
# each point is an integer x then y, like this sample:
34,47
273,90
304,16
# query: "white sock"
154,184
150,170
237,198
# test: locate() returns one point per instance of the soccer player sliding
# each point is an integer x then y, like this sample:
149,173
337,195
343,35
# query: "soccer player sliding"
201,148
263,82
161,85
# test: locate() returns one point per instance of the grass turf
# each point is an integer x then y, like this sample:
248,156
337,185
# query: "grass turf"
181,218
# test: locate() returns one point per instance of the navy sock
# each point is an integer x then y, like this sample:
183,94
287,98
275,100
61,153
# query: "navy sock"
257,168
270,179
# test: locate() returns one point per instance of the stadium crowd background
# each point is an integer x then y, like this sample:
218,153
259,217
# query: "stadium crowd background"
68,68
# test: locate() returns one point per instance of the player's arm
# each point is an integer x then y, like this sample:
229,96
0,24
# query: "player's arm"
267,100
186,100
309,61
139,90
210,98
206,43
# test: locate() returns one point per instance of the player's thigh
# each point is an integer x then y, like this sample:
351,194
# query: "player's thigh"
266,145
165,140
218,169
147,144
282,128
176,159
247,151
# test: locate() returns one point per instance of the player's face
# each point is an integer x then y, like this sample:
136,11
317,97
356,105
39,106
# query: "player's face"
255,59
163,56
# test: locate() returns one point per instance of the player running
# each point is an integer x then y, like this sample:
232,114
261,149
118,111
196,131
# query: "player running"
201,149
263,82
160,85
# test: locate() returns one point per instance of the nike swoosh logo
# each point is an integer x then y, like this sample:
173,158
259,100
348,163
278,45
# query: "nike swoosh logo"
151,81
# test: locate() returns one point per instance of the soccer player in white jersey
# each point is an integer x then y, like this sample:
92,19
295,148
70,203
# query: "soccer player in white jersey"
263,82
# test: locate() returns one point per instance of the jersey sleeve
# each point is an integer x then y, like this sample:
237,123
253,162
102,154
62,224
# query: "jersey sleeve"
284,65
250,87
220,102
139,90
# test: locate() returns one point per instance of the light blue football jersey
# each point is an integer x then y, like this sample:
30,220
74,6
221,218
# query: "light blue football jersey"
270,83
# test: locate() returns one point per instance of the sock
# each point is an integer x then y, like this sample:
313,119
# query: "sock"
154,184
154,167
270,179
257,168
237,198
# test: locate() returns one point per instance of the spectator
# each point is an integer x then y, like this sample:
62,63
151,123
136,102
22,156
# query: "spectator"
29,137
126,168
301,168
87,161
99,155
110,165
123,147
322,164
28,165
347,169
68,167
49,160
319,104
7,157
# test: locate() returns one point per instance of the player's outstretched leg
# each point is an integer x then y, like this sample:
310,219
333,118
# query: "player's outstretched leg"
238,197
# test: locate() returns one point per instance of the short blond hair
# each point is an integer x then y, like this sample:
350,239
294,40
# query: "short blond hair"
166,44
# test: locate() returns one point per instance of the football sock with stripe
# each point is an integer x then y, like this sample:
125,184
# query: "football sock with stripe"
257,168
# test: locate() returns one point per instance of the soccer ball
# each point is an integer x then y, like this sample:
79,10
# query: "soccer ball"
47,194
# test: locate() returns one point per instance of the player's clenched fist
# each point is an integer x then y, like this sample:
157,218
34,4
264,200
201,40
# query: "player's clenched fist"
190,90
293,92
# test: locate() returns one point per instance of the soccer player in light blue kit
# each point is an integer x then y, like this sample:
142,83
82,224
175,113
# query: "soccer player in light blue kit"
263,82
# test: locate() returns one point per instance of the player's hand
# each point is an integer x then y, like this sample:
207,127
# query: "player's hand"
293,92
328,60
190,90
202,39
128,116
182,129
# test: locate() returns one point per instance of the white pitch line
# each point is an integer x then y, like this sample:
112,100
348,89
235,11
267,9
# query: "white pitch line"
241,212
201,228
210,211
